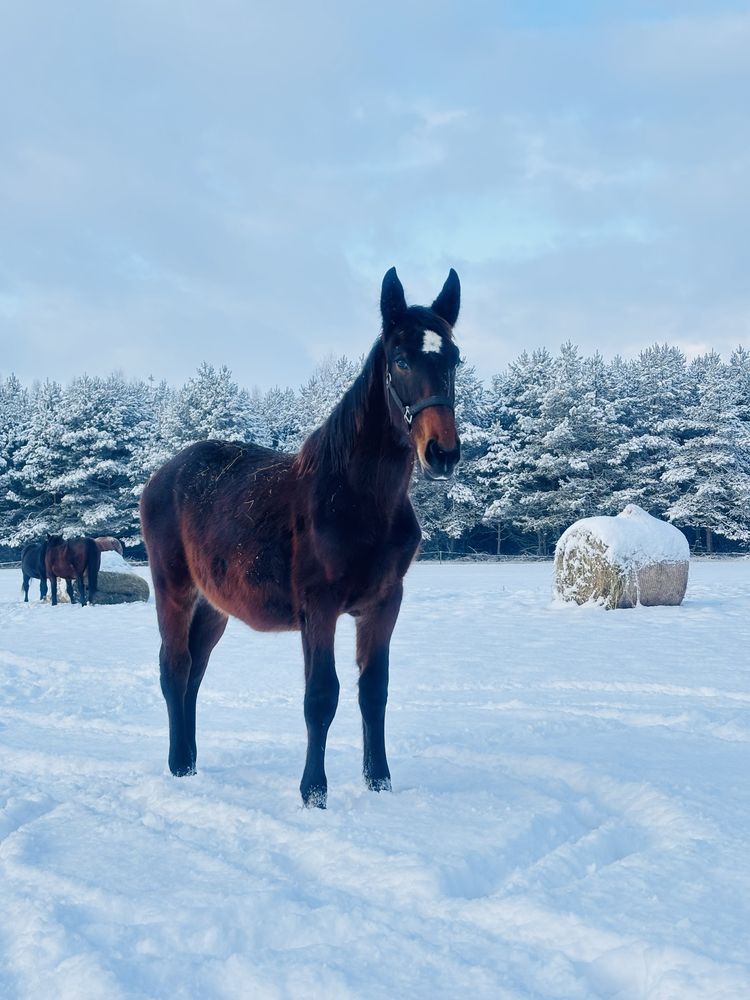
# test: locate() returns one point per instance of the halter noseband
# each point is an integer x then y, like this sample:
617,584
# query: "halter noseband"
410,410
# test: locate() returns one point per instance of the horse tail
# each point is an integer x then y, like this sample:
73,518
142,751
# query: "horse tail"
93,562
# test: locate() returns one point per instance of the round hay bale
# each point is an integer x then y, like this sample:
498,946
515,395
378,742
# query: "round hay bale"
622,561
120,588
117,584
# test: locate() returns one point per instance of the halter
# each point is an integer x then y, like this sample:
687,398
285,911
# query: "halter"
410,410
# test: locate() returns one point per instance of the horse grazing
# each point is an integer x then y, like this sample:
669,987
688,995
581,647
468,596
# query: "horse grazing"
108,543
293,541
73,557
32,567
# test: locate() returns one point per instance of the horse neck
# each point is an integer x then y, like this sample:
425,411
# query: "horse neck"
358,442
382,459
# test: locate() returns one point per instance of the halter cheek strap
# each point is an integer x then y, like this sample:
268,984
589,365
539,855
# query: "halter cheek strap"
410,410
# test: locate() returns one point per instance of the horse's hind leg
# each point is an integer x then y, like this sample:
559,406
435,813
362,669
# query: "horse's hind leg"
71,592
374,630
81,589
206,628
26,588
43,588
175,611
321,698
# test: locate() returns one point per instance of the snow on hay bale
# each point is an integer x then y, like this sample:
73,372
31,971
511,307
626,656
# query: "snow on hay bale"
622,561
117,584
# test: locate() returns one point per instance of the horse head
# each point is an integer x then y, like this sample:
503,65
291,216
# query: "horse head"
420,372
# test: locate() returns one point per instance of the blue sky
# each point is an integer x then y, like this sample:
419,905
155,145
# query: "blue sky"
230,181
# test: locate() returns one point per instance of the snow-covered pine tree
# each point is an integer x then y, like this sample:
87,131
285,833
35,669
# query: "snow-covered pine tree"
14,420
33,504
580,433
280,415
710,470
514,464
651,393
322,391
210,405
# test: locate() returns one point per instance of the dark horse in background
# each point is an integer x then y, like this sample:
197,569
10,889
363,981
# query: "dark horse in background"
72,558
293,541
32,568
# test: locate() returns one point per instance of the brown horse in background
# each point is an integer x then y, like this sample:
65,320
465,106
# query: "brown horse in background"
294,541
108,543
69,558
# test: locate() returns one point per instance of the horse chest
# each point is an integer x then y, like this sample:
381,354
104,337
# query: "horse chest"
365,560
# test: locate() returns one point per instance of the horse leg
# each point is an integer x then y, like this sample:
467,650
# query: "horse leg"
81,589
321,700
26,588
206,628
43,588
69,588
53,589
374,630
175,612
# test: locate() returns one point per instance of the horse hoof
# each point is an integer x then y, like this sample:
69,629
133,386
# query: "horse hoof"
378,784
182,770
315,797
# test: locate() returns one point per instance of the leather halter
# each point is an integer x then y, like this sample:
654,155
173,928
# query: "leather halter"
410,410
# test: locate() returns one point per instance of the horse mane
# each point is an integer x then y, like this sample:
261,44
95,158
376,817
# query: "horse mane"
332,443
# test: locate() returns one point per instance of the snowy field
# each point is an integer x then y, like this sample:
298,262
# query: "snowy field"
569,818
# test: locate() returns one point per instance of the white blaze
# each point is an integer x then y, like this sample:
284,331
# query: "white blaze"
433,342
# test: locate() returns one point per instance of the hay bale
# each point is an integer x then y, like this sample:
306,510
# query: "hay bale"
117,584
622,561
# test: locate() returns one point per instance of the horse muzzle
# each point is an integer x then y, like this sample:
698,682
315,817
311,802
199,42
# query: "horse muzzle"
439,463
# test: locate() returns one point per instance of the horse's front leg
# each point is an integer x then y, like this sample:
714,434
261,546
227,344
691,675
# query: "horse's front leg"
26,588
69,588
321,698
53,589
43,588
374,630
81,589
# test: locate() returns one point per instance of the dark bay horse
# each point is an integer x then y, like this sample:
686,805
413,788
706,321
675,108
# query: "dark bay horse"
69,558
32,568
294,541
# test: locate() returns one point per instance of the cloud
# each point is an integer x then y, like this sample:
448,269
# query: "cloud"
180,182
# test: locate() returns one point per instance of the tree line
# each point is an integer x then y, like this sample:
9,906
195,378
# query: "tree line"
551,439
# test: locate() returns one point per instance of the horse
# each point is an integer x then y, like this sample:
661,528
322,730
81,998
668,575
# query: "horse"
32,567
70,558
108,543
291,542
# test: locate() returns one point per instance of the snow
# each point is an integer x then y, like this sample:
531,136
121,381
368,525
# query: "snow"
569,818
633,538
113,562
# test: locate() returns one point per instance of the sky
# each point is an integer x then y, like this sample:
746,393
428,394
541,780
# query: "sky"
230,181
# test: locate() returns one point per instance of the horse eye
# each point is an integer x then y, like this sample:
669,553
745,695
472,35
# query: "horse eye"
402,363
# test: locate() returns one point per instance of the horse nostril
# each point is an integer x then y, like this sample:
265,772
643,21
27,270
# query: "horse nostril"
440,461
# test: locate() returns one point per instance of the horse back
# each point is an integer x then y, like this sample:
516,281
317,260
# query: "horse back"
217,519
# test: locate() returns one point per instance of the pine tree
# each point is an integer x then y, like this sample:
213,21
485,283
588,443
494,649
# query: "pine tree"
34,504
14,421
320,394
210,405
711,467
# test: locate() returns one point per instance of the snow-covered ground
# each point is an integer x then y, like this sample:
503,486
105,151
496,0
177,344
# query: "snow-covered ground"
570,815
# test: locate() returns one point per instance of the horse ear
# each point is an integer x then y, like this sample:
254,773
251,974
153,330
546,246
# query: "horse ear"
448,302
392,300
